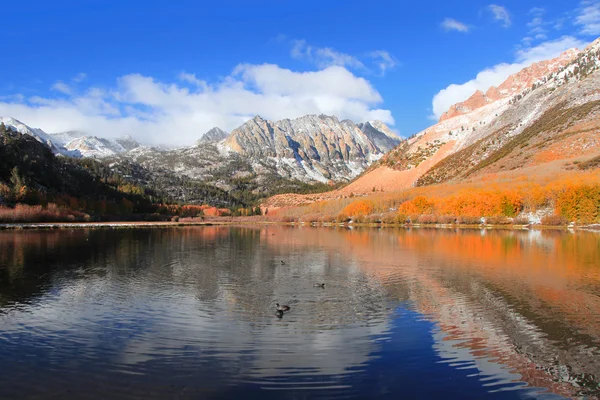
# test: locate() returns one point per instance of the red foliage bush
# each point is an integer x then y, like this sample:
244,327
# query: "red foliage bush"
52,213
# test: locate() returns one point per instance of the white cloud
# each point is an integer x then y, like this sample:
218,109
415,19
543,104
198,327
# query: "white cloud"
191,78
323,57
497,74
179,113
61,87
450,24
500,14
537,11
588,17
80,77
536,27
383,60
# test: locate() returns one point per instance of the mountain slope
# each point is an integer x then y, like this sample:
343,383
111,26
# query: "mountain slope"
549,127
74,143
36,133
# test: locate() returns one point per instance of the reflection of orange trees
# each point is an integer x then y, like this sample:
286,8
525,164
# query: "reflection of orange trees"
491,291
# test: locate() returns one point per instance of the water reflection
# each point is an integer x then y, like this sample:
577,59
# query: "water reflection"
190,311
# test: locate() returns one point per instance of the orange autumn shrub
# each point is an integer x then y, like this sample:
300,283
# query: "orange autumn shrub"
358,207
417,206
579,203
487,203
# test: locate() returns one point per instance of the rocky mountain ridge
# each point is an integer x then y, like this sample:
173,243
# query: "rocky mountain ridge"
513,85
312,147
214,135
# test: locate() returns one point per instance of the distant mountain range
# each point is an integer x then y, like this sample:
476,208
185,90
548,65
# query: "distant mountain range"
261,156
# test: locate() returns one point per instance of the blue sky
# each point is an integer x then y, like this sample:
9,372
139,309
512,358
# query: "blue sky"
166,72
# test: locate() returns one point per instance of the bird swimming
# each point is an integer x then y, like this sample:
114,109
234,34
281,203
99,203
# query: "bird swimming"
282,308
279,313
321,285
282,263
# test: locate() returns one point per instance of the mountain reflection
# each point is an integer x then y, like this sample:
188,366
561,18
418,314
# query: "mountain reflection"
514,307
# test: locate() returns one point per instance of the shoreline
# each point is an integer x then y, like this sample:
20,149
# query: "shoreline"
170,224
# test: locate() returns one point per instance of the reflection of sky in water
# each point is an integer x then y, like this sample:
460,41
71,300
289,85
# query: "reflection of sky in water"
155,314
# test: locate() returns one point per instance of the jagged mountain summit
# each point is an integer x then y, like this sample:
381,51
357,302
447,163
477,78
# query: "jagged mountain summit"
214,135
312,147
513,85
379,134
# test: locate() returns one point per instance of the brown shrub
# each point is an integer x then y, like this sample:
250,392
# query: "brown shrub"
310,218
427,219
393,218
342,218
359,219
554,220
374,219
498,220
466,220
327,219
175,218
521,221
447,219
288,219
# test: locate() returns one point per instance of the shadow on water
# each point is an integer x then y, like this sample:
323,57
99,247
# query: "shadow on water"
190,312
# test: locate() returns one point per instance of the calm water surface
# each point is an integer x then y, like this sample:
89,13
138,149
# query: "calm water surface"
190,313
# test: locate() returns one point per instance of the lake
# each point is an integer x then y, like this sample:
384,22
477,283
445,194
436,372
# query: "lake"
189,312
